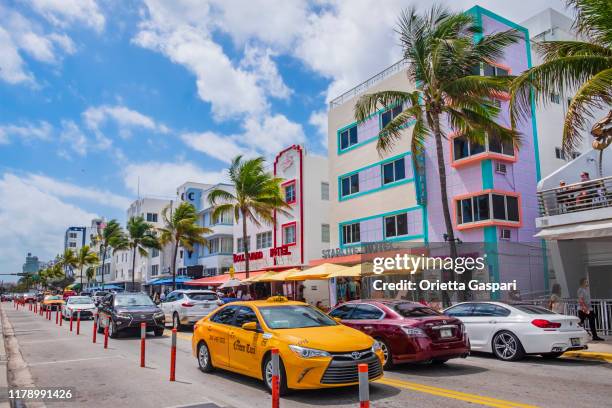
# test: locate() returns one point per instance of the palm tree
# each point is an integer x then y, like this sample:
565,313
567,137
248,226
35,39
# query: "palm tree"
141,237
569,65
441,53
86,257
181,228
90,273
112,236
257,196
68,260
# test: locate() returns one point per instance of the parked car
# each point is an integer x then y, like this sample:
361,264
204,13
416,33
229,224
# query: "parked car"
52,302
407,331
98,295
187,306
510,331
124,311
85,293
314,350
68,293
30,297
79,304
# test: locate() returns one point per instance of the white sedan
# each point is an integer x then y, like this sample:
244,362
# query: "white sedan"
187,306
510,331
79,304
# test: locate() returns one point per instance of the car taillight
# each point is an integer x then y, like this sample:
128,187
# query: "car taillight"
187,304
545,324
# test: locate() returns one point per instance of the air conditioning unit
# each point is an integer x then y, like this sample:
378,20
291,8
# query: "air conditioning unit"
505,234
500,168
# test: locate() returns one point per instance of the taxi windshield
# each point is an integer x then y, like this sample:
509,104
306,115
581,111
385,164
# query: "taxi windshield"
53,298
133,300
294,317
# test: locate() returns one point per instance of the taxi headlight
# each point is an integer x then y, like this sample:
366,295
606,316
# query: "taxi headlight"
305,352
376,346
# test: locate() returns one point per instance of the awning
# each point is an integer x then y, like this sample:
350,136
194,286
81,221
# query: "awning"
219,279
168,281
597,229
352,272
260,278
317,272
282,276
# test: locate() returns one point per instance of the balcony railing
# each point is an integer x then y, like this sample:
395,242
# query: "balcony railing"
362,87
583,196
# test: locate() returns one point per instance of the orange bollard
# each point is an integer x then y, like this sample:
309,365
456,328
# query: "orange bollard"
61,320
275,375
57,316
143,336
71,319
173,356
78,323
35,308
106,336
95,329
364,386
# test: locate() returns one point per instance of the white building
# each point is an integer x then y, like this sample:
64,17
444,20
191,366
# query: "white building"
304,232
551,25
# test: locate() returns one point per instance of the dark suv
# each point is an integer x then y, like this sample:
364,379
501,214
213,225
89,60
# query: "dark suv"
407,331
124,311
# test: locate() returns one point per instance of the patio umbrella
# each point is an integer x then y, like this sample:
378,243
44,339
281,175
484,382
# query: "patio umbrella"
232,283
281,276
259,278
352,272
317,272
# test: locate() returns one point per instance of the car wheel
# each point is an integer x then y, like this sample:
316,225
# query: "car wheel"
507,347
388,359
176,322
112,330
439,361
158,332
204,360
267,376
551,356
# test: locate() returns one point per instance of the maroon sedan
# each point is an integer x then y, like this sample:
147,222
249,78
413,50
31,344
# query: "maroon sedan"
407,331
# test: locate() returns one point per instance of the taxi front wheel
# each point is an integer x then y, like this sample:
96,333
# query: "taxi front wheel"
267,376
204,360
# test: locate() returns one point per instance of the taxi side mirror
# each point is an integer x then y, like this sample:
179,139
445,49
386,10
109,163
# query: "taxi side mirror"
337,319
250,326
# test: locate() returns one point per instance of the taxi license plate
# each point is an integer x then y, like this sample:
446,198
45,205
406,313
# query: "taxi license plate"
444,333
575,341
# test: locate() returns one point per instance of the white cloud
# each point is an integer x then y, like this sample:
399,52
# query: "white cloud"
96,116
64,13
319,121
12,66
72,136
215,145
26,131
33,220
259,62
161,179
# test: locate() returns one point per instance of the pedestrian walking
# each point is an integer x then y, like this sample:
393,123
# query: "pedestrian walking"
584,308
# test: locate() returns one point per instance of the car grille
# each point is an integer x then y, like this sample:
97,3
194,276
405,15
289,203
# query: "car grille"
343,369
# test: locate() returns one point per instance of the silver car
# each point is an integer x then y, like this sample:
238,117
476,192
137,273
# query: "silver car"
187,306
79,304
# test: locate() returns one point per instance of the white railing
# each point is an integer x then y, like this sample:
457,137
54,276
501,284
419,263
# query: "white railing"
602,308
362,87
583,196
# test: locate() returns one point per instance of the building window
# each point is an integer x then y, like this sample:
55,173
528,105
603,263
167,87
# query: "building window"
225,218
263,240
239,244
492,70
210,271
390,114
151,217
560,154
396,225
490,206
350,185
154,253
325,233
72,244
348,137
394,171
555,98
154,270
72,235
351,233
464,148
290,192
289,234
324,191
181,254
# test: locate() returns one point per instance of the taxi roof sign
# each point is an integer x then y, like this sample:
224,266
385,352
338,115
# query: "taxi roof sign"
277,299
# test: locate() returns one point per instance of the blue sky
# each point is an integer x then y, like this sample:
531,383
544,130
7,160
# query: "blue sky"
100,96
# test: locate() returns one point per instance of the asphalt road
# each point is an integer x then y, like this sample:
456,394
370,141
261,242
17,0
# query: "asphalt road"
55,357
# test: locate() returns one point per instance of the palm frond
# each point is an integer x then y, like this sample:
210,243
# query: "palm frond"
370,103
551,50
593,19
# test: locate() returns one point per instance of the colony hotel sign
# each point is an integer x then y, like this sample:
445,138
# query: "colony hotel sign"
365,248
274,252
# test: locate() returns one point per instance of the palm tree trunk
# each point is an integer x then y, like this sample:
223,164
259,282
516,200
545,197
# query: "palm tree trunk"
81,289
134,269
103,256
245,246
174,265
444,196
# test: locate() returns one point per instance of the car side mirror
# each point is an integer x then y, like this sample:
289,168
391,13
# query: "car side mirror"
250,326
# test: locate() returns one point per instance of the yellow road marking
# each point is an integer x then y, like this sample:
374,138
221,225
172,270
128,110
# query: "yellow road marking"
593,355
462,396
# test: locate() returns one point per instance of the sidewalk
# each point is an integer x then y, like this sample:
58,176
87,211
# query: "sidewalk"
598,350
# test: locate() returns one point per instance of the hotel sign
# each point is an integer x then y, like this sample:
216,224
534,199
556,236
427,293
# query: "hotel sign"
366,248
272,253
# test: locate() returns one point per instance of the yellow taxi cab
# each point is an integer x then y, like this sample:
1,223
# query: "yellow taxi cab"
52,302
315,350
